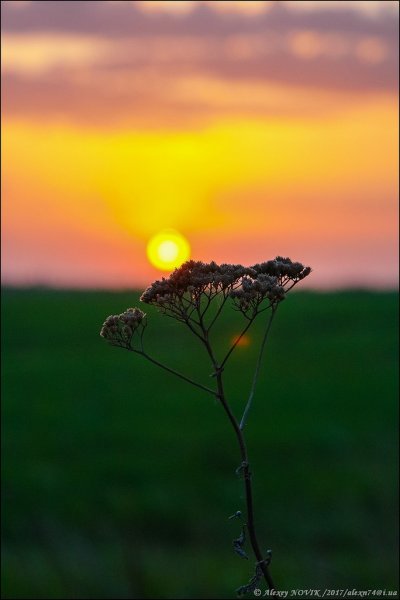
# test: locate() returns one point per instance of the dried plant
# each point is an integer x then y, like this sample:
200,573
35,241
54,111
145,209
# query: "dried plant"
195,295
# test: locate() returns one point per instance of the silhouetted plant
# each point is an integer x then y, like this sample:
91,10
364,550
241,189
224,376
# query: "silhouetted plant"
186,296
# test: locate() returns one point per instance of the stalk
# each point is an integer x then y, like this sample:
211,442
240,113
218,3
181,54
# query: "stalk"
247,484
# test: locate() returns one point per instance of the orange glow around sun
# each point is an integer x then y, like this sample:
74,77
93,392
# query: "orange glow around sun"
168,249
241,342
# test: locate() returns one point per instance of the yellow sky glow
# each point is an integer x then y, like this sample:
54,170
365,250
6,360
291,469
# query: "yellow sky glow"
249,145
271,177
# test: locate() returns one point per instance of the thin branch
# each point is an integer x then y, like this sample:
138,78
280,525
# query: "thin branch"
209,297
226,294
192,329
251,319
180,375
218,312
235,343
256,372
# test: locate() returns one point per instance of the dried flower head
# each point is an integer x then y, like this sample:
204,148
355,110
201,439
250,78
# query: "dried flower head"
284,269
194,277
254,290
270,281
184,290
119,329
182,293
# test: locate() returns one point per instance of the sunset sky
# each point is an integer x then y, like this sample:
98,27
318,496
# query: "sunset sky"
254,129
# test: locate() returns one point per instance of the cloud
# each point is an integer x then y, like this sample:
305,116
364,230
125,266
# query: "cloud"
110,63
111,19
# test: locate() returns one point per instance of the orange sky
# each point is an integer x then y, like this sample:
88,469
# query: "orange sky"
255,129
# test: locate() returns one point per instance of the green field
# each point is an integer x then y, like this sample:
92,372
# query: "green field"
118,479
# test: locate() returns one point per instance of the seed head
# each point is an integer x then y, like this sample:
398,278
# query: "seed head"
119,329
191,288
182,292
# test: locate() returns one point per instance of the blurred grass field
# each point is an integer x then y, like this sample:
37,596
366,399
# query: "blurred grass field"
118,479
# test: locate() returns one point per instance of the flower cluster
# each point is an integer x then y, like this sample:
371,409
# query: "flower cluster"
269,280
187,293
193,277
182,292
284,269
119,329
253,290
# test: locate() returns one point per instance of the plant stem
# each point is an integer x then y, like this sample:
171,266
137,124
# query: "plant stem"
251,319
237,340
180,375
245,466
256,372
247,483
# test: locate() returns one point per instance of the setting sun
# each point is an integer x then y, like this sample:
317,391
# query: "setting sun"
168,250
